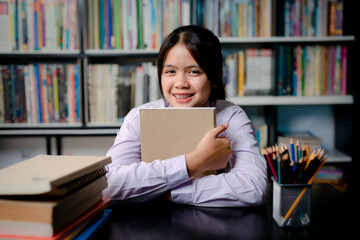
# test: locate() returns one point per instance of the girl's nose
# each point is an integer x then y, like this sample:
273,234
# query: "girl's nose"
182,81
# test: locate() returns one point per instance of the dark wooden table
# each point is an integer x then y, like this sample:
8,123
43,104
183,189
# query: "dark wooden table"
333,216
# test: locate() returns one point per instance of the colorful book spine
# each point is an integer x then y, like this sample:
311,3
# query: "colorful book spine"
344,70
117,29
77,93
102,23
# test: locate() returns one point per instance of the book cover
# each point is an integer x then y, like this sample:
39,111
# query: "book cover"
313,141
169,132
44,172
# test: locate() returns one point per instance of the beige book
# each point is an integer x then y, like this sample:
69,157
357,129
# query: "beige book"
43,173
169,132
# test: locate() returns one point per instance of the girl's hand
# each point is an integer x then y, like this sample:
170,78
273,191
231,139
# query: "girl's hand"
211,154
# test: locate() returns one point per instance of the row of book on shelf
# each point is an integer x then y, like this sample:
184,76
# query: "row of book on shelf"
39,25
54,197
114,89
310,70
40,93
123,24
313,18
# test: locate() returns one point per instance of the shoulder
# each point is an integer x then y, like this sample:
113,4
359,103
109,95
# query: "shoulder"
223,104
229,112
224,107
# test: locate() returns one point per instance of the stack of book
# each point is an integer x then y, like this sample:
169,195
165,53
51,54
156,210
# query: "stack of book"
52,197
300,138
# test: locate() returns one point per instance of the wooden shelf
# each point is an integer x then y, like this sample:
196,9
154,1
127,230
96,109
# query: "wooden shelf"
120,52
224,40
291,100
39,125
42,52
281,39
60,132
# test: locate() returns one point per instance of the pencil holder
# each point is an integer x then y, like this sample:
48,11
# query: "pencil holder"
291,204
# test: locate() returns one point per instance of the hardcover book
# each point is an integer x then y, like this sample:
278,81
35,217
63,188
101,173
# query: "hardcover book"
169,132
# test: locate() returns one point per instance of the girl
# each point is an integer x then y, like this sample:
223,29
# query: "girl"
190,75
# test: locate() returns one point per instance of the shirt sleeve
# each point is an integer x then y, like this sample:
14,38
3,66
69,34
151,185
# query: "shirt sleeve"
132,180
244,184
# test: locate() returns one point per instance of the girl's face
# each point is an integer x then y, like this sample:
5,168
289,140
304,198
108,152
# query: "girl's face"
184,83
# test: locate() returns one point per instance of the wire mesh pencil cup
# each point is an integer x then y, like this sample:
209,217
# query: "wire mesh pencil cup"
291,204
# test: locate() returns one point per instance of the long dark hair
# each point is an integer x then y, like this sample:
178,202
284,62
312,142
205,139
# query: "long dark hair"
205,48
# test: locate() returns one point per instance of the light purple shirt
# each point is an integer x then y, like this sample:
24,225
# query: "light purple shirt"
132,180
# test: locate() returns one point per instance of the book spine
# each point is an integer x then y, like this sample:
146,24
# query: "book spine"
241,74
9,116
44,94
13,92
34,94
50,93
40,23
36,20
77,92
116,6
70,92
106,24
344,70
101,24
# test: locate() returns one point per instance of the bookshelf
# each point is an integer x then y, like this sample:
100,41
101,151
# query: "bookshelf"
84,55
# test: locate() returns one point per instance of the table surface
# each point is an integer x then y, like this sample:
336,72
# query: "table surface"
332,216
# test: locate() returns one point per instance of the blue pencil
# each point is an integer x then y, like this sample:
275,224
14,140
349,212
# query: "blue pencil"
292,153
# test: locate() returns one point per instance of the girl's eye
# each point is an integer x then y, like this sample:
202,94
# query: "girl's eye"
169,71
195,72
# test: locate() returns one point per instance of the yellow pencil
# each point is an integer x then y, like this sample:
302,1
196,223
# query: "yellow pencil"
297,200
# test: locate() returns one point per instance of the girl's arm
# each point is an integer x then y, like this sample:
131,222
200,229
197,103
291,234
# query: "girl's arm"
131,179
243,185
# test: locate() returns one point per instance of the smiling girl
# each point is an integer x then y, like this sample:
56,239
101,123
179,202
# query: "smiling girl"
190,75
